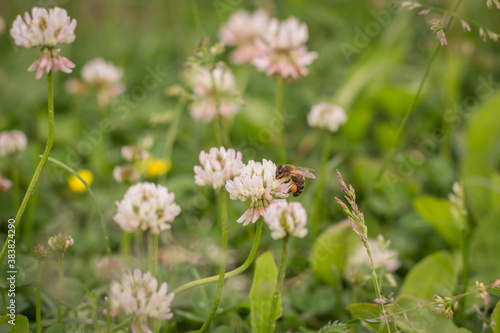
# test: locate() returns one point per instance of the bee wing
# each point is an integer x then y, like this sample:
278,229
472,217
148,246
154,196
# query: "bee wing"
306,172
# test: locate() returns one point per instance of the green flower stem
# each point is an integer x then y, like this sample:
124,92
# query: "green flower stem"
15,180
126,244
38,298
222,269
280,119
377,286
217,121
397,141
103,224
281,276
121,325
60,288
318,196
41,164
151,254
464,243
232,273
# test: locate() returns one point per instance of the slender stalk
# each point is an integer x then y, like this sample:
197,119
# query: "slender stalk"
38,298
232,273
318,196
217,121
121,325
41,164
281,276
15,180
222,269
377,286
60,288
151,254
103,224
464,240
126,244
280,119
397,141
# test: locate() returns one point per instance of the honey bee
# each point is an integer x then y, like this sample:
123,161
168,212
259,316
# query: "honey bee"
296,175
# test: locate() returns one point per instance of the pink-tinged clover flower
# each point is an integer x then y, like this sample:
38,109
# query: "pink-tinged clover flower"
203,105
286,219
137,295
60,242
5,184
258,183
283,48
46,29
146,206
217,167
12,142
242,29
325,115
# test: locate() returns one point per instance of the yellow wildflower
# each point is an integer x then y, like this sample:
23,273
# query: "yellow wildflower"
75,184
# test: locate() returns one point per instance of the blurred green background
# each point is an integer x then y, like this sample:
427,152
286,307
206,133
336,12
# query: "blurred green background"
452,135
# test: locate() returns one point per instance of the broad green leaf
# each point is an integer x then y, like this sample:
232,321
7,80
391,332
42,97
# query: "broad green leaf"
481,159
261,293
21,324
435,274
484,250
366,311
329,252
436,212
495,316
421,319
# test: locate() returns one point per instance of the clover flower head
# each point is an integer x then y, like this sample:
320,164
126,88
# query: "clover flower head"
138,295
203,105
146,206
12,142
46,28
109,268
125,174
60,242
5,184
105,77
326,115
286,219
283,48
258,183
40,252
217,167
381,254
242,29
134,153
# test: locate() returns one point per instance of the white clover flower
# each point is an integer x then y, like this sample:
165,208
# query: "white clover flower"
382,256
138,295
326,115
146,206
5,184
217,167
105,77
258,183
203,105
242,29
126,174
134,153
60,242
43,28
46,29
283,49
286,219
12,142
